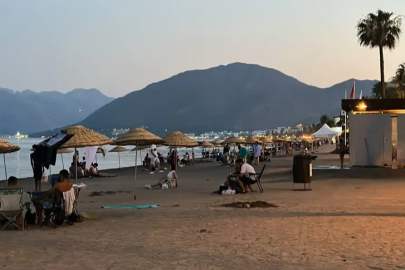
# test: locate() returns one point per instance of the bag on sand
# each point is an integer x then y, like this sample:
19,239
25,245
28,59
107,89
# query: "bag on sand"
44,178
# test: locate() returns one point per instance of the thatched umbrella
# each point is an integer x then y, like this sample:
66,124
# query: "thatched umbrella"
205,144
6,148
252,140
233,139
138,137
216,142
177,139
84,137
62,151
118,149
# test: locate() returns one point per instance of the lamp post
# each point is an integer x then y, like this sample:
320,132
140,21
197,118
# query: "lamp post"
394,140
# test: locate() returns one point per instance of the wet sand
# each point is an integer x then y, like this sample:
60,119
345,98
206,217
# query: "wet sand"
353,219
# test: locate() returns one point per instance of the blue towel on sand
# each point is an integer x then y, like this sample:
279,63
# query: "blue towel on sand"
130,206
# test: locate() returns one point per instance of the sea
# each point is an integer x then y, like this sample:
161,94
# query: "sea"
18,163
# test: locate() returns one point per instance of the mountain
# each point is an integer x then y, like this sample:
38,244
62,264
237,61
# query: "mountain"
29,111
233,97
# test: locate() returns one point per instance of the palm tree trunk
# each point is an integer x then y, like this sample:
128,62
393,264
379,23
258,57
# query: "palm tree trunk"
382,71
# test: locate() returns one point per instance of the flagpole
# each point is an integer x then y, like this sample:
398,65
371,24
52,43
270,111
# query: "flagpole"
345,118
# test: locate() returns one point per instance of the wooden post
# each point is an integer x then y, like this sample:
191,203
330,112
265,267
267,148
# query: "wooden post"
394,139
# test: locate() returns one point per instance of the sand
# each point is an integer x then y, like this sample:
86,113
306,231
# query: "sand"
353,219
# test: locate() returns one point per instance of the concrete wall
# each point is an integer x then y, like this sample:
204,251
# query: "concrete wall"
370,139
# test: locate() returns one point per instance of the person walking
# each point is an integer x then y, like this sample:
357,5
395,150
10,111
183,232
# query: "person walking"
257,153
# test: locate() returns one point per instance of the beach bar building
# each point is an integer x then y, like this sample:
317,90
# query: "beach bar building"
376,130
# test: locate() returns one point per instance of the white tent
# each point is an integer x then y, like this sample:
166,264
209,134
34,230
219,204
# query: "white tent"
324,131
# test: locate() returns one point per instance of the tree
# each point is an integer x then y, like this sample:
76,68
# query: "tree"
399,79
380,30
391,92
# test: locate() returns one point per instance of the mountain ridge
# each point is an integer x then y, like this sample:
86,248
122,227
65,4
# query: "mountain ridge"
236,96
28,111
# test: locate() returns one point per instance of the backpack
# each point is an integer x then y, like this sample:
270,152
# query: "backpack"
60,216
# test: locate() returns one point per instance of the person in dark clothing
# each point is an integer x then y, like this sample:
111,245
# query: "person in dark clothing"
37,167
342,151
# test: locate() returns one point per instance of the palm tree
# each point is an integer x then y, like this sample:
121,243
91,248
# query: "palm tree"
380,30
399,79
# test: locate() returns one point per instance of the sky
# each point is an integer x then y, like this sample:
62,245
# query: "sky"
119,46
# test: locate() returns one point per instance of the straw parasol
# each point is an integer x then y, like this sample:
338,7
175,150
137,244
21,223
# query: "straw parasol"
138,137
62,151
216,142
177,139
205,144
6,148
233,139
84,137
118,149
251,140
266,140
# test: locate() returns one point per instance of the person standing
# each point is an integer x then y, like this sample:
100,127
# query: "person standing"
257,153
342,150
37,167
154,159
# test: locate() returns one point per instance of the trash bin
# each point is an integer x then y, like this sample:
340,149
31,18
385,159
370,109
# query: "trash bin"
302,170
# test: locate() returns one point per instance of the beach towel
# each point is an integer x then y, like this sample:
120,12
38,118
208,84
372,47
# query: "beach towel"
69,197
130,206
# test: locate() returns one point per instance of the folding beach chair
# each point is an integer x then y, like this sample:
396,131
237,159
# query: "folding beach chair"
10,207
257,177
53,209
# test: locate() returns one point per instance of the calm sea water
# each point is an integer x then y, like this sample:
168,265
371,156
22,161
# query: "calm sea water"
18,164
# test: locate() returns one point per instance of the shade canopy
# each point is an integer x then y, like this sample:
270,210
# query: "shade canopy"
252,140
138,136
142,147
118,149
6,147
325,131
266,139
64,151
205,144
84,137
233,139
178,139
216,142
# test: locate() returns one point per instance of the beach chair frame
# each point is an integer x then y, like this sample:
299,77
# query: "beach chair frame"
10,207
257,177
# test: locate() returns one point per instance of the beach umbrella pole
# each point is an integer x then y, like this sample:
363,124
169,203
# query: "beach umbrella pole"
136,159
63,165
119,161
76,166
5,167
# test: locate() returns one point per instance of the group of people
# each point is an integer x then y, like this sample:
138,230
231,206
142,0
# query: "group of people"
39,198
80,169
241,180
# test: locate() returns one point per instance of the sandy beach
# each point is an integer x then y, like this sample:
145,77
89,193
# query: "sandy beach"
353,219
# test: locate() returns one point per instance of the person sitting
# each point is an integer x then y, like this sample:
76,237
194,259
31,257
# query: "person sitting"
72,170
170,179
95,173
186,159
244,176
12,183
83,163
233,180
55,193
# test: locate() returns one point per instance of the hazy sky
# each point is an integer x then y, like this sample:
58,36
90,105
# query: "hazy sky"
119,46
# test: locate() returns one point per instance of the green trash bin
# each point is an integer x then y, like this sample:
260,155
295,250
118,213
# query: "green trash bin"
302,170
